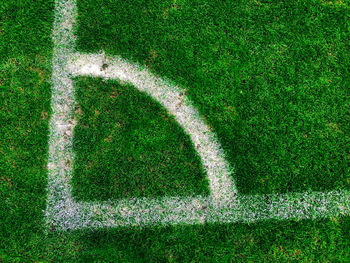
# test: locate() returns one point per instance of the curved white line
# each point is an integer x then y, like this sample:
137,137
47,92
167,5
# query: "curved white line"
219,172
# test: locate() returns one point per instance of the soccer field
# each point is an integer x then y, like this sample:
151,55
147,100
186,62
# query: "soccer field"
263,123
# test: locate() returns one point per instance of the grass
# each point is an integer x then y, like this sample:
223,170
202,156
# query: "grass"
270,78
128,146
25,70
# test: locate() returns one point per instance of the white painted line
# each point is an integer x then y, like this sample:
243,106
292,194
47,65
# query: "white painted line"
60,204
175,210
223,206
171,97
62,210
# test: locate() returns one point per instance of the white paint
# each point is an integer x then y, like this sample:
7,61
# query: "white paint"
60,204
169,96
223,206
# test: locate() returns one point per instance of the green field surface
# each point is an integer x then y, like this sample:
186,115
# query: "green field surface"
270,77
127,145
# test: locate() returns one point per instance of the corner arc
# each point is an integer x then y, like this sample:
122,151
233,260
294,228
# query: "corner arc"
222,187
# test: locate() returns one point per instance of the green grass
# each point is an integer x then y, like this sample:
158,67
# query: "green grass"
25,71
271,78
127,145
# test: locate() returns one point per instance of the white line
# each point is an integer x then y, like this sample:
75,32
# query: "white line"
61,208
60,204
175,210
219,172
64,213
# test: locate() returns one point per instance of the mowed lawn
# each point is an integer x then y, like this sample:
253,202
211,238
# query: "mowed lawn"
270,77
127,145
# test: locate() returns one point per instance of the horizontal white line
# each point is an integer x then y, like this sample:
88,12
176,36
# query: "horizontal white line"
199,210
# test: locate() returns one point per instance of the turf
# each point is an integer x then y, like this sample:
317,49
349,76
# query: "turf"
25,71
270,77
127,145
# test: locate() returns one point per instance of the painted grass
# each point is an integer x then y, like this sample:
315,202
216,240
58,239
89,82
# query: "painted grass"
271,79
25,51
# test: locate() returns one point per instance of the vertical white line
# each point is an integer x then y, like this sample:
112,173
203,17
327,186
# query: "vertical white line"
60,204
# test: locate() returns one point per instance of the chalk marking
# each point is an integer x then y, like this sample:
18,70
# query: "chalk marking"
63,212
221,185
